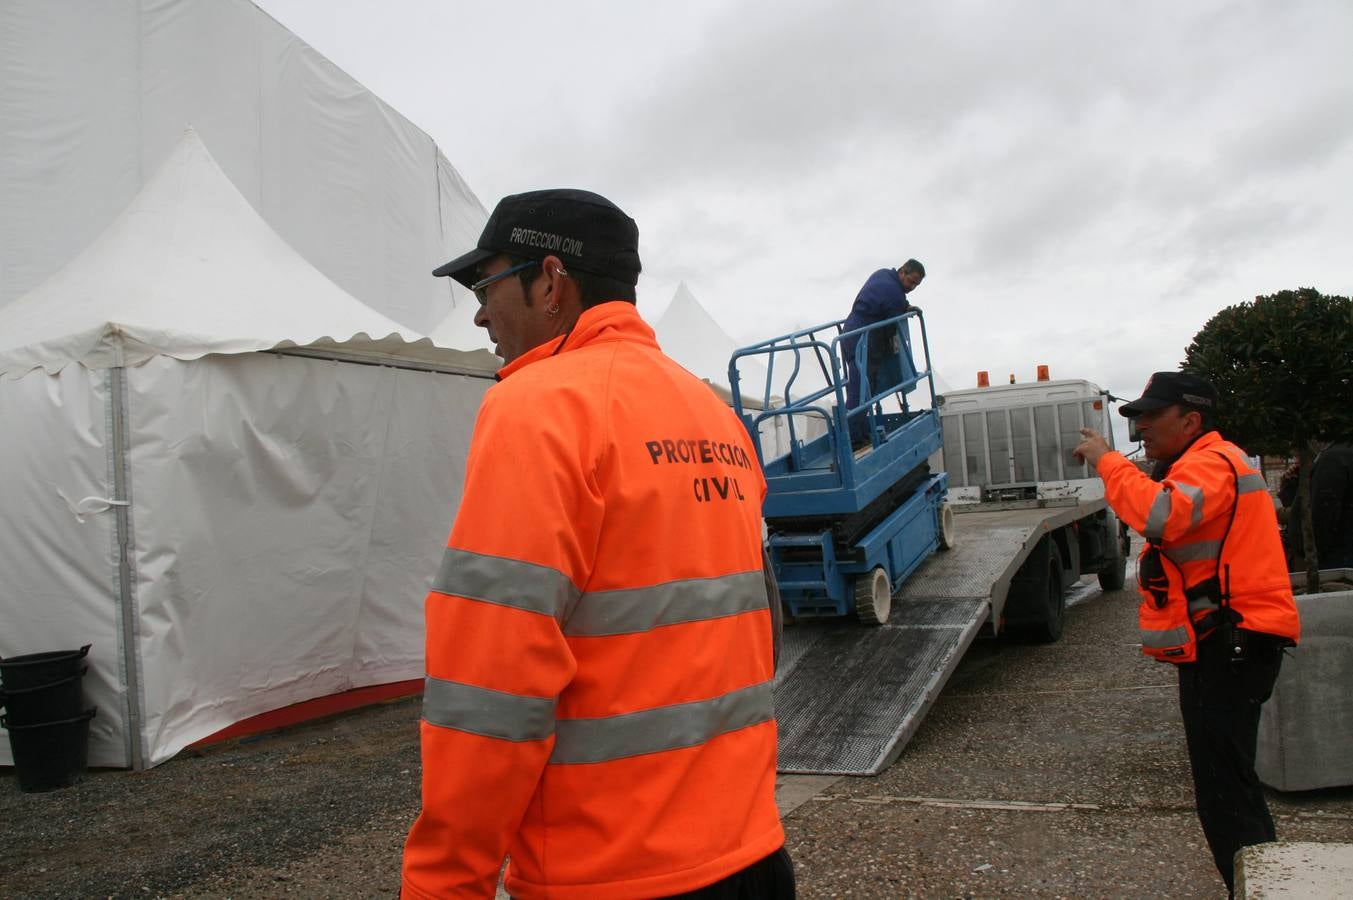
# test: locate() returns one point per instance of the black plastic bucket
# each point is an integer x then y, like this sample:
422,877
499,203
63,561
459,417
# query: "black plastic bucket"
51,755
49,702
18,673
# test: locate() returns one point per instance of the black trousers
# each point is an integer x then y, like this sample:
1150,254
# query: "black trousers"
1220,699
771,878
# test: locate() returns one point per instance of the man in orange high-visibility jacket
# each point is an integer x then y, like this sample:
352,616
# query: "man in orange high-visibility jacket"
1216,598
599,648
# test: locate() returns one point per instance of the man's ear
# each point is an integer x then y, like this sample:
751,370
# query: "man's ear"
559,288
554,267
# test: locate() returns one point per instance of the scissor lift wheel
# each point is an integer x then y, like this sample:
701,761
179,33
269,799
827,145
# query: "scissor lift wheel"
946,529
873,596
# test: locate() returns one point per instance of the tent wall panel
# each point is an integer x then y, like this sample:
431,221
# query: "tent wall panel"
423,470
252,480
58,549
287,516
287,529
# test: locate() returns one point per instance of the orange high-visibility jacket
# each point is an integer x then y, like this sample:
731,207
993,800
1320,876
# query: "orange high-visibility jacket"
598,696
1187,515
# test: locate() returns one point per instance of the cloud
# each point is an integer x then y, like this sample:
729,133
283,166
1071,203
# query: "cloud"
1086,183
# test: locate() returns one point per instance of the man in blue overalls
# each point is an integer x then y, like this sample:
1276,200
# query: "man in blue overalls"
884,296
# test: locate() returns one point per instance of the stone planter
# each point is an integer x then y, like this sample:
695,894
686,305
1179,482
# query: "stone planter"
1306,729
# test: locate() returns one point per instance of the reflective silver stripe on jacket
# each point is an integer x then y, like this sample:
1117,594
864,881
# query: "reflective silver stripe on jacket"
1162,640
662,728
486,712
1182,553
1252,482
1195,495
506,582
1201,604
1159,514
541,589
630,611
1156,518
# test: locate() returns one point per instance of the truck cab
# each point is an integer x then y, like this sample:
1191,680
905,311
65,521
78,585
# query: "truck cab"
1010,447
1015,441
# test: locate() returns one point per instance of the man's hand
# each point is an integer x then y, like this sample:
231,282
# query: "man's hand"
1091,447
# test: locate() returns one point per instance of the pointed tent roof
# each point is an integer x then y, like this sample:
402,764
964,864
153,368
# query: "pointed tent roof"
188,269
690,335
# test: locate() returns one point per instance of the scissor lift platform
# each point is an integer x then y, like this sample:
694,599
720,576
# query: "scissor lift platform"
852,510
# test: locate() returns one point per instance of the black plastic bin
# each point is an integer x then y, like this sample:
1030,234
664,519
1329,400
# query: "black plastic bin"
50,755
56,700
43,687
18,673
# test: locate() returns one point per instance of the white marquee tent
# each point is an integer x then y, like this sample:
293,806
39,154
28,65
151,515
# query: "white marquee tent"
219,468
95,95
691,336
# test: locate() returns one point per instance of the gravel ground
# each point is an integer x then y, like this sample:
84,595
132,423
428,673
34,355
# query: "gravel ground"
1042,771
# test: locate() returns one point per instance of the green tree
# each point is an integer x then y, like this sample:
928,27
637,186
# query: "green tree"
1283,366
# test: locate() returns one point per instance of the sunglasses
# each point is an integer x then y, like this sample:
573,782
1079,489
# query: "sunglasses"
480,287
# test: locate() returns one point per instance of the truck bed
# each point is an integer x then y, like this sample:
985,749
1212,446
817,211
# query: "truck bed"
992,541
849,697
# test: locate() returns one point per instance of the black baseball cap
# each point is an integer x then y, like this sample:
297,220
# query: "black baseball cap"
1168,388
585,230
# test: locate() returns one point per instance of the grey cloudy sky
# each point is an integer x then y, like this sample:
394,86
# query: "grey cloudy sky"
1086,183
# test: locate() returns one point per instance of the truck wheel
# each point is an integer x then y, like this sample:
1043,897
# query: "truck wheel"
1114,576
1036,604
873,596
946,529
1049,630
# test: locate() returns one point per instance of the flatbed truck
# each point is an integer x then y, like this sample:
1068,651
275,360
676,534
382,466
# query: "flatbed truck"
1022,520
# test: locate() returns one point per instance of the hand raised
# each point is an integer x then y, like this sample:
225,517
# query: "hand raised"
1091,448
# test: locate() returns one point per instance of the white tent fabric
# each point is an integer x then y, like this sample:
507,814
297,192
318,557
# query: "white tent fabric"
690,335
283,518
96,95
190,269
234,531
458,328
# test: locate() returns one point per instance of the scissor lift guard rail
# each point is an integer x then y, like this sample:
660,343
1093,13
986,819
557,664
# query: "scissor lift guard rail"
846,524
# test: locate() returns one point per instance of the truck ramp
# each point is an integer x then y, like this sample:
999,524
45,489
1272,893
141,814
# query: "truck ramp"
848,697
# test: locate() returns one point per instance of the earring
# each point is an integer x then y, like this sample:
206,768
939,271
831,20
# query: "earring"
561,273
551,310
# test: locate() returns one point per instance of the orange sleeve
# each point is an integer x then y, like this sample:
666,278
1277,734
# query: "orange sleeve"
1199,488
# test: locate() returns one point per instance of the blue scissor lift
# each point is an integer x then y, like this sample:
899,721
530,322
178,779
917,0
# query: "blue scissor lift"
845,525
